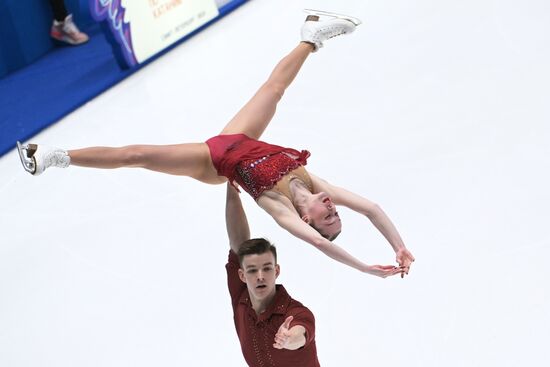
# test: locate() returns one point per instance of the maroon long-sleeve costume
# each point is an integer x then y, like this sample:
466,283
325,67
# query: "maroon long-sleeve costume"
257,332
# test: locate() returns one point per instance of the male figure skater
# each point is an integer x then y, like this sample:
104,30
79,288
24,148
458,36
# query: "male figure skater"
274,329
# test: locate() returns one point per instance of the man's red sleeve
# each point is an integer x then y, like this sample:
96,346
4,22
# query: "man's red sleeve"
234,283
304,317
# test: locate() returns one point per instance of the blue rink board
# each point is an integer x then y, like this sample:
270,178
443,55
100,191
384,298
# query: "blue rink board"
42,93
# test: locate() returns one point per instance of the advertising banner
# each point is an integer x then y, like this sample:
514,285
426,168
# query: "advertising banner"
143,28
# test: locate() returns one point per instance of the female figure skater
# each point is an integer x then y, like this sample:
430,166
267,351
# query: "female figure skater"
275,177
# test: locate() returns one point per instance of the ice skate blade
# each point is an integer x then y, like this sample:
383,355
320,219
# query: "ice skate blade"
28,162
355,21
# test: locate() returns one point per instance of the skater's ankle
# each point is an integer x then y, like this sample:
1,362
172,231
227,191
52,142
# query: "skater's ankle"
310,45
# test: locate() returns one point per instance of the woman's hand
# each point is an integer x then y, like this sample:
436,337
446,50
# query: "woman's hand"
384,271
404,258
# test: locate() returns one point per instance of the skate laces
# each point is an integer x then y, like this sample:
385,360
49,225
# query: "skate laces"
57,158
332,32
342,31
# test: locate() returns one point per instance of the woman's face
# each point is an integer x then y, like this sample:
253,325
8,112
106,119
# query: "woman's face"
321,213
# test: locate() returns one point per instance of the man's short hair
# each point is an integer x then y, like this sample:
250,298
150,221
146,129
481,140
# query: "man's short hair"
256,246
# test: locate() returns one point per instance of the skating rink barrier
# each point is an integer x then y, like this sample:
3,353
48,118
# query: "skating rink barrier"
39,94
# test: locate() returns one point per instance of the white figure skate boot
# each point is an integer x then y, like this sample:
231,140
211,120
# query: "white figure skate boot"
36,158
316,30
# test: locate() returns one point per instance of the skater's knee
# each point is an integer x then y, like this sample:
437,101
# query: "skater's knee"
275,88
133,156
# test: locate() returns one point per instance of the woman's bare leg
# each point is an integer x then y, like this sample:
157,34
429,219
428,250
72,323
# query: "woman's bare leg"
194,160
191,160
254,117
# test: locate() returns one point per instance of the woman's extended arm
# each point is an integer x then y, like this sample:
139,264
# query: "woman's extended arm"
372,211
296,226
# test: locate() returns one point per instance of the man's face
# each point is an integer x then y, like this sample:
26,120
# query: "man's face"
259,272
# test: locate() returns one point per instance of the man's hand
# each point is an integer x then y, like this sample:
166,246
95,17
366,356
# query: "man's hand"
404,258
289,338
283,334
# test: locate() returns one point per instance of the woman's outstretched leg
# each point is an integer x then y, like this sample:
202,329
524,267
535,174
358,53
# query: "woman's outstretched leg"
192,160
254,117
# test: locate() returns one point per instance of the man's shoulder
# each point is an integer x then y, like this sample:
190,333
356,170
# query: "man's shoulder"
295,304
291,303
232,258
237,288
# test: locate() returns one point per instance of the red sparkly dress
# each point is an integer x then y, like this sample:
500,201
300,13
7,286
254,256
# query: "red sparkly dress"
255,165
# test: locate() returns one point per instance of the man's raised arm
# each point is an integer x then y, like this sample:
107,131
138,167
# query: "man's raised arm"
235,219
